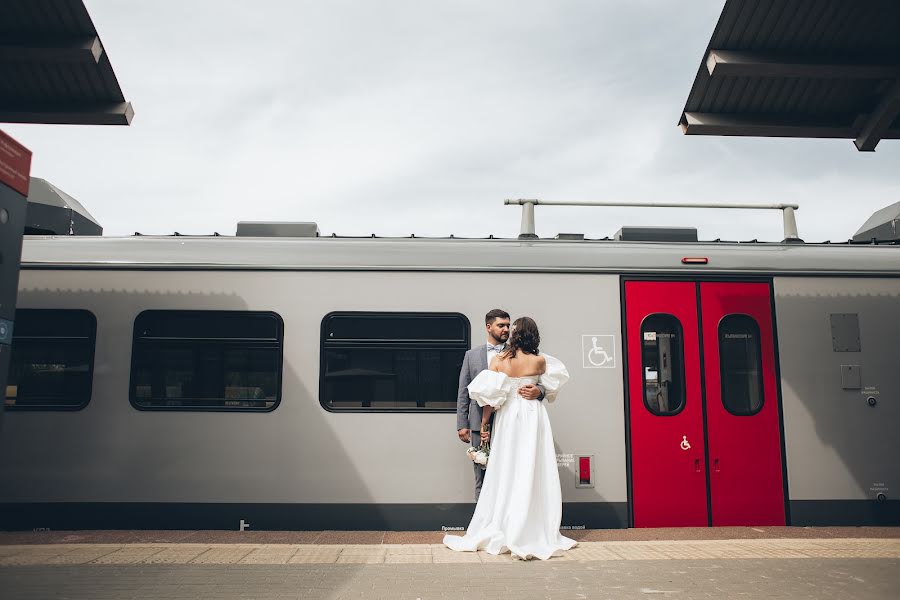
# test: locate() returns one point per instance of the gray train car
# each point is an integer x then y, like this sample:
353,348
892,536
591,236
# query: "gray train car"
310,383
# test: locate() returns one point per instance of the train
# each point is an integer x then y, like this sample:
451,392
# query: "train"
307,382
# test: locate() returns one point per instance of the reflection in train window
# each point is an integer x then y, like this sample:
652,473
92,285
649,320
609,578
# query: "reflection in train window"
206,360
740,365
662,364
52,360
396,362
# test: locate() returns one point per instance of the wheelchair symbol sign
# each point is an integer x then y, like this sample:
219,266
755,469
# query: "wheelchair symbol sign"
599,351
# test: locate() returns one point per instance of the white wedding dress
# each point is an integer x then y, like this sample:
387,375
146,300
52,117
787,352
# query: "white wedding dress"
520,507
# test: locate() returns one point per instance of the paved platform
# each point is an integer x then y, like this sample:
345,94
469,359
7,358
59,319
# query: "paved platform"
800,563
430,537
796,579
281,554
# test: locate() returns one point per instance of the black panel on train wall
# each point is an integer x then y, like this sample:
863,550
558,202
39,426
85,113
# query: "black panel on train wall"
12,223
392,362
58,516
52,362
206,360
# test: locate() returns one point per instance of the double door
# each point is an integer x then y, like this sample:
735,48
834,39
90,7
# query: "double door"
704,418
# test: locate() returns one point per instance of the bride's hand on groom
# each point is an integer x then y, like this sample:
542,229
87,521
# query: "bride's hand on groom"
530,391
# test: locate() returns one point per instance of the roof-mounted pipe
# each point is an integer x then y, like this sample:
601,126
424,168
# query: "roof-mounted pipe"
527,229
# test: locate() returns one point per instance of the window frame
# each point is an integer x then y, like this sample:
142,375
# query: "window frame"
371,313
759,362
683,386
237,409
90,374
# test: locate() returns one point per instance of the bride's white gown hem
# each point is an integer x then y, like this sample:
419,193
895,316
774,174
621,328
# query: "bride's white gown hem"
520,507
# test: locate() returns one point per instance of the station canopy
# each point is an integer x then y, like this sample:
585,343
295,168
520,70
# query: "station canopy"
800,68
51,211
53,67
884,225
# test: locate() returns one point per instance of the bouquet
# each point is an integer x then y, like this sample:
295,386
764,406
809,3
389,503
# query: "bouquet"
480,455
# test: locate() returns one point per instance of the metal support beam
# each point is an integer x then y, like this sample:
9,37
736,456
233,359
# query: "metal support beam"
105,113
790,225
879,122
721,63
693,123
73,50
527,231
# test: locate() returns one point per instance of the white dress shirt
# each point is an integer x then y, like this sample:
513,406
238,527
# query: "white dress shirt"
491,353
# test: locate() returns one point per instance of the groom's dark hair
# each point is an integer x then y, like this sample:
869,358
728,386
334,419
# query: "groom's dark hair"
495,314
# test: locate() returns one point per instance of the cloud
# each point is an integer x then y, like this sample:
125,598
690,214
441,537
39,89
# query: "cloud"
401,117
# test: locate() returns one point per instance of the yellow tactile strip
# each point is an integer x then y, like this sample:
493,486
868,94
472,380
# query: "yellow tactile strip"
272,554
343,538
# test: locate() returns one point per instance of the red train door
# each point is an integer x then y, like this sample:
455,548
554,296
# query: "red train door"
743,432
684,339
668,473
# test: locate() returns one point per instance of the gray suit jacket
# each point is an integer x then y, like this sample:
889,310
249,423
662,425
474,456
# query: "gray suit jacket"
468,413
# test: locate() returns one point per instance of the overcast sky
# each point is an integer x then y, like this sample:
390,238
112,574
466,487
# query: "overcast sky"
416,116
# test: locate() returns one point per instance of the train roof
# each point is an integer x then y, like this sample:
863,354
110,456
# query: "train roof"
142,252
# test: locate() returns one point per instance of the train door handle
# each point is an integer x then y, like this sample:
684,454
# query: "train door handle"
697,465
716,465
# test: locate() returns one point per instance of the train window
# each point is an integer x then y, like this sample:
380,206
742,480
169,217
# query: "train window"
662,364
206,360
392,362
52,360
740,365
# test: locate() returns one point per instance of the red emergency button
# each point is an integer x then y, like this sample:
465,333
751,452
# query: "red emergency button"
584,470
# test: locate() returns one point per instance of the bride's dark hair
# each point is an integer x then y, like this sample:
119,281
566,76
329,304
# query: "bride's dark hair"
525,336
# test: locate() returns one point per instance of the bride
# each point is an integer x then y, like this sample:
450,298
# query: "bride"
520,507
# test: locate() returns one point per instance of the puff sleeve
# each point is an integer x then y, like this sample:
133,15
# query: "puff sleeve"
554,376
490,388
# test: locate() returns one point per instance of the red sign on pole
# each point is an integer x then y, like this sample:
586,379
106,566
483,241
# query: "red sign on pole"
15,164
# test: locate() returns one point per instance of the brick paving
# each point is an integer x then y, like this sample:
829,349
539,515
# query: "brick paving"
836,564
280,554
819,579
428,537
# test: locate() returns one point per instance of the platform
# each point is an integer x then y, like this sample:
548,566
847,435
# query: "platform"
682,563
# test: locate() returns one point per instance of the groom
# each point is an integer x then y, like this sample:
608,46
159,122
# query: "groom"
468,413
